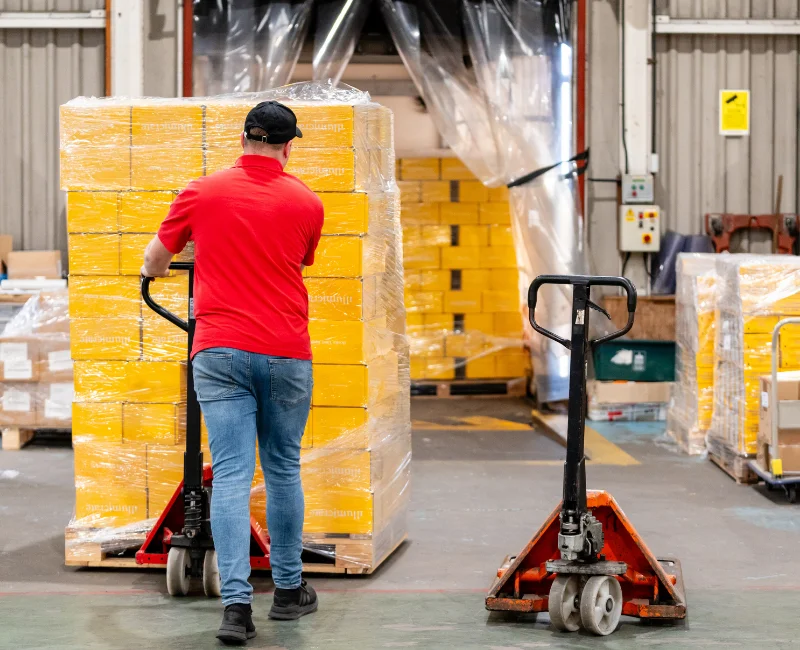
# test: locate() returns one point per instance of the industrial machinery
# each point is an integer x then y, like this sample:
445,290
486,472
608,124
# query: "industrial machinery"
785,414
586,566
181,538
782,227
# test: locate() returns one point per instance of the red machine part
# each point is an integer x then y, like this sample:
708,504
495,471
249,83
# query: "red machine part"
648,590
155,549
720,227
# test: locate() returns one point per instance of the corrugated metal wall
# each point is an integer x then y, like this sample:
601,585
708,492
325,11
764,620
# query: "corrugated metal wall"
40,70
701,171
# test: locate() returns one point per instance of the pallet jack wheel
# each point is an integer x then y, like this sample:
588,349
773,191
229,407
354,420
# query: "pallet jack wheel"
791,493
179,566
211,582
601,605
563,603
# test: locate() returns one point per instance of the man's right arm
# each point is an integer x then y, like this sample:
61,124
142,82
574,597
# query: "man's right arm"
308,260
173,234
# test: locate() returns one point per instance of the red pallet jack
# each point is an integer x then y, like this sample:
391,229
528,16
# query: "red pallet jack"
181,540
587,566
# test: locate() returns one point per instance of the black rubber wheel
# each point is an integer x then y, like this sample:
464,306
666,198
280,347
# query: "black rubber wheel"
791,493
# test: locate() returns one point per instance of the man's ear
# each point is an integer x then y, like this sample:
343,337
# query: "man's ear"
242,139
287,149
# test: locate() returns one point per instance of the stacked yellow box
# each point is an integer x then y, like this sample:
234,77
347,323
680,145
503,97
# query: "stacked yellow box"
692,403
130,387
462,289
754,293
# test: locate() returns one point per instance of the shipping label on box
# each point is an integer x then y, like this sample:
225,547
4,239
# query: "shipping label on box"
55,405
143,212
91,212
19,356
55,359
105,338
94,255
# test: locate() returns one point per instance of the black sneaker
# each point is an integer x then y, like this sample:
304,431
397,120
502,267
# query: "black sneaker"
237,625
291,604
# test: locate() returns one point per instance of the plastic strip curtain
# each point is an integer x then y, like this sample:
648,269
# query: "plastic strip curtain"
508,114
247,45
339,24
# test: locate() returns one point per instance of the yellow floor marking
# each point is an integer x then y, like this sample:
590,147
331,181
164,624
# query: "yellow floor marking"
473,423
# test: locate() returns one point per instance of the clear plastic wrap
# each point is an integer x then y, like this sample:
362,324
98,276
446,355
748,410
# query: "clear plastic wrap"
339,24
246,45
506,116
465,317
130,369
692,404
36,387
754,293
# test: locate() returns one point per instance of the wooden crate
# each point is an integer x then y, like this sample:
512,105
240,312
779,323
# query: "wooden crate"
730,462
655,316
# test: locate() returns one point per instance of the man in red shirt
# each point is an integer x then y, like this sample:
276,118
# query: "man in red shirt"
254,229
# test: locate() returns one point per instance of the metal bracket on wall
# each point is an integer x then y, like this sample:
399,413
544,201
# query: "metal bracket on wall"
95,19
720,227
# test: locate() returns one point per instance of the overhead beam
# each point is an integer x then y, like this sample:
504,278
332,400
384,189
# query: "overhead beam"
765,26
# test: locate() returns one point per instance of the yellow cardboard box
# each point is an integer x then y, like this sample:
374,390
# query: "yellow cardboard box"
175,125
97,123
164,475
143,212
417,258
472,191
424,302
100,381
435,191
455,170
475,279
501,301
440,368
155,382
105,338
504,279
427,345
325,170
94,255
100,506
162,424
508,325
342,298
498,257
412,281
410,191
495,213
344,428
435,236
91,212
87,167
348,342
97,422
434,280
420,169
479,323
161,340
346,256
331,126
328,512
171,293
131,253
758,324
470,344
514,363
472,235
460,257
498,194
165,167
462,302
459,213
438,323
345,213
419,214
417,366
500,236
92,296
345,385
481,367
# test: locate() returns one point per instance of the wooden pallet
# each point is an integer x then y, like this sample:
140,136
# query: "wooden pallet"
731,463
461,388
15,438
340,556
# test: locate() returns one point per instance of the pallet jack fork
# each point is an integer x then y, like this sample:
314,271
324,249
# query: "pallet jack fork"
587,566
181,539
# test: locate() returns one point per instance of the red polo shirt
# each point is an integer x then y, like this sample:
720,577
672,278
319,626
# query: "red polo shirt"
253,226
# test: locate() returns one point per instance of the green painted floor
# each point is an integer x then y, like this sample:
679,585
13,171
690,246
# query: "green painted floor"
477,495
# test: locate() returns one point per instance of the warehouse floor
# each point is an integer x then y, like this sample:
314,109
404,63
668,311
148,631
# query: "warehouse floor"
482,484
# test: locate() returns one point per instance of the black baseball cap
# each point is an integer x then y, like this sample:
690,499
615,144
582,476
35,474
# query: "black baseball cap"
277,120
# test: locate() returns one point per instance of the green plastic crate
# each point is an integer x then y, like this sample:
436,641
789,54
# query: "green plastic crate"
623,360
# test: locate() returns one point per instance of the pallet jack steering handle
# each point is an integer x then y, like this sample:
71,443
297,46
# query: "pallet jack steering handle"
161,311
586,281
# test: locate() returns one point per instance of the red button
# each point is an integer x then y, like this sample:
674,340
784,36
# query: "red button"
647,239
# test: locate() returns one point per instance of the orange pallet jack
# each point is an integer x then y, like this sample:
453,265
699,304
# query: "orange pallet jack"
587,566
181,539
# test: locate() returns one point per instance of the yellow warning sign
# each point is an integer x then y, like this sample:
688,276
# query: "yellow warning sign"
629,216
734,112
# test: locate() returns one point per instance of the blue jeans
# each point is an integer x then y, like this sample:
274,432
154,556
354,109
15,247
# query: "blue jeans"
247,397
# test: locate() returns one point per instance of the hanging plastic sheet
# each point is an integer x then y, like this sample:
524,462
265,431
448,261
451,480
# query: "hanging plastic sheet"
508,115
339,24
247,45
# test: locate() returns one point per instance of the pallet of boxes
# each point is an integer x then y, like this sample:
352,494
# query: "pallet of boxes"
463,295
35,365
130,383
754,293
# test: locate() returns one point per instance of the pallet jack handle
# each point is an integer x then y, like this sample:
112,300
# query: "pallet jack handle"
161,311
585,281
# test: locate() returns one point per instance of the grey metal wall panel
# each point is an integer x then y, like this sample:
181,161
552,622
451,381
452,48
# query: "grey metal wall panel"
702,171
161,48
39,71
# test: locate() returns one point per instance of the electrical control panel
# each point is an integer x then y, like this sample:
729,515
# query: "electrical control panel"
637,189
639,228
